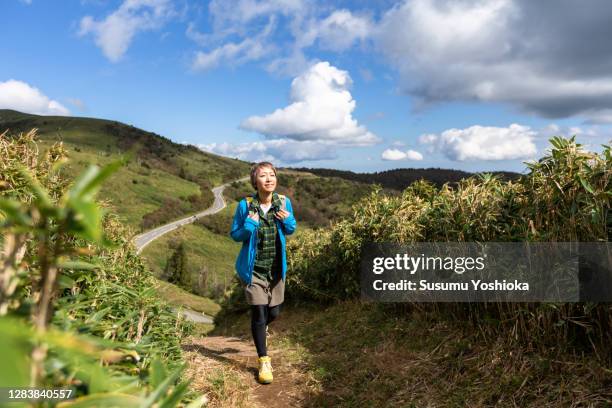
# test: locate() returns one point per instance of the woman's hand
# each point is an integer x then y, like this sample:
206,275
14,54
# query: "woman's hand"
282,214
253,214
254,217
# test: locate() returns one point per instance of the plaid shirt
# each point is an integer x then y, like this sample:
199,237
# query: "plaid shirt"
267,259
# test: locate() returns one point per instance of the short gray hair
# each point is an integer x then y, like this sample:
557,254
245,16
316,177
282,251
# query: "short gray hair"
258,166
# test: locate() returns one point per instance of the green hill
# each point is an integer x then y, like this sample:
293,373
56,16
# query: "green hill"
163,181
166,180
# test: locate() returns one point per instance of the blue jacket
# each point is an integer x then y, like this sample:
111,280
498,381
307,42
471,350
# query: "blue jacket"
244,229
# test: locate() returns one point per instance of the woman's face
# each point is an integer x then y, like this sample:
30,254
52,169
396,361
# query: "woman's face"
266,179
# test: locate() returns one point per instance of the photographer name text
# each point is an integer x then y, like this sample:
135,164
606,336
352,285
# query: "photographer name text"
425,285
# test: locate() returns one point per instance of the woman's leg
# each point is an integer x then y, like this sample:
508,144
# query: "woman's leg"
273,313
259,317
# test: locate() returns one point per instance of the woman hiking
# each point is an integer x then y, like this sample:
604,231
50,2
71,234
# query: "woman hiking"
261,223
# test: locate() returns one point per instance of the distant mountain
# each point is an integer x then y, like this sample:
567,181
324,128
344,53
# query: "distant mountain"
399,179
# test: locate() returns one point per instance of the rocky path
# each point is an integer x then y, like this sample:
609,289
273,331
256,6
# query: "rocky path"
194,316
238,356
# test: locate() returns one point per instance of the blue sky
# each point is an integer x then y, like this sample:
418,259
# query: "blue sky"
362,86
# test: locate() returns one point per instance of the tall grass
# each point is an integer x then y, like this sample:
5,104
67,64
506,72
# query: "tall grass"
564,197
77,306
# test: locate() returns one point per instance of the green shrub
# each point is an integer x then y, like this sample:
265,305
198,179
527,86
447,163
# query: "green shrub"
564,197
77,307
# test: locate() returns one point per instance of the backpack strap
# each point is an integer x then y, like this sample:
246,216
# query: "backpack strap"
249,200
283,201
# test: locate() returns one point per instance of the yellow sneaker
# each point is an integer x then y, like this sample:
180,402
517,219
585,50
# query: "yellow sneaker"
265,370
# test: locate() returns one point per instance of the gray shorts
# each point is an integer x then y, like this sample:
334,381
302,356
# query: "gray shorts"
261,292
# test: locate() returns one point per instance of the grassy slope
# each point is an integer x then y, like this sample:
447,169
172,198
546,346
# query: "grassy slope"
179,297
319,200
376,359
99,141
203,248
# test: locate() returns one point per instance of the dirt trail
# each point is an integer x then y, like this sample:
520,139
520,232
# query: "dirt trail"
204,354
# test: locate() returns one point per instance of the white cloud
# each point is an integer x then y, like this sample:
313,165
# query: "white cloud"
277,150
196,36
590,131
249,49
238,12
550,129
484,143
316,122
591,137
320,110
603,115
509,51
395,154
241,20
290,65
337,32
23,97
234,53
114,33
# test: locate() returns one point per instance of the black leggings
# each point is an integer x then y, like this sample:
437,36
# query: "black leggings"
262,315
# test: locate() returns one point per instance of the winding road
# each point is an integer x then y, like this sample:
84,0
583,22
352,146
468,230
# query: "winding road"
144,239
